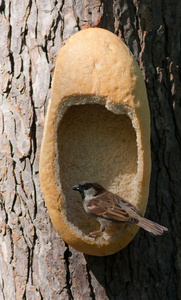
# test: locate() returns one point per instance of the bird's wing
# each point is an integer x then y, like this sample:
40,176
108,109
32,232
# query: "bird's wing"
127,204
112,207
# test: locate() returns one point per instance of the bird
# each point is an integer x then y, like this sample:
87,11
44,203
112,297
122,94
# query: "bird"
109,208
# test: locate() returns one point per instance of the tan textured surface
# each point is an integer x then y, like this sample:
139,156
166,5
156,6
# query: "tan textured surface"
97,127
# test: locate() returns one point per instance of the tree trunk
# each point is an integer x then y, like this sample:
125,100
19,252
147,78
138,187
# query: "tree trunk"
35,263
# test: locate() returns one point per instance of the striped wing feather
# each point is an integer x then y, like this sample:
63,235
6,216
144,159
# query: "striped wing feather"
111,206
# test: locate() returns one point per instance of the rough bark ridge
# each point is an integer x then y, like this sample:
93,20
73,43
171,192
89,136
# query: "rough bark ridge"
34,262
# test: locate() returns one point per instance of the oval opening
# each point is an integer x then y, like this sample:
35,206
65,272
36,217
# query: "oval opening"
94,143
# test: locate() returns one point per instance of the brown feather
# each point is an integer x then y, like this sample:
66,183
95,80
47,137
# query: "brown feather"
151,227
106,207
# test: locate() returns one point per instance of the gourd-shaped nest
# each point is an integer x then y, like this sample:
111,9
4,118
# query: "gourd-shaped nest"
97,127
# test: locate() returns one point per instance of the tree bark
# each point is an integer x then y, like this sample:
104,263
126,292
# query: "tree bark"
35,263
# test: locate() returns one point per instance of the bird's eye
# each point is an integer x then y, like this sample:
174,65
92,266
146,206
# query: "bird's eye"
86,186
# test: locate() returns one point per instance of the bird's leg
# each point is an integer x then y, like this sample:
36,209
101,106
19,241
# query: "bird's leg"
93,234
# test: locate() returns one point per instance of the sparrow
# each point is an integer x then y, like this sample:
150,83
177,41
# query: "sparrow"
109,208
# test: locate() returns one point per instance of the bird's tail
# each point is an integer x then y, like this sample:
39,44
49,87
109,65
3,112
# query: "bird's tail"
151,227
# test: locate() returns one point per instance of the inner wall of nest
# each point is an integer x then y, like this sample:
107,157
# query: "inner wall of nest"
96,144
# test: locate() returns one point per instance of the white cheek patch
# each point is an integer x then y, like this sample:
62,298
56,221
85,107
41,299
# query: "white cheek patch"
90,193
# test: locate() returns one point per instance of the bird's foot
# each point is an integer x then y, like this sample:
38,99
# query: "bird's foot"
94,234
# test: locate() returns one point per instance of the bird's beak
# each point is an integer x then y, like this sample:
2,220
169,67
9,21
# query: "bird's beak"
76,187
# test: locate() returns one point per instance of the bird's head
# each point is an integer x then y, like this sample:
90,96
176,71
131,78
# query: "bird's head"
89,189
